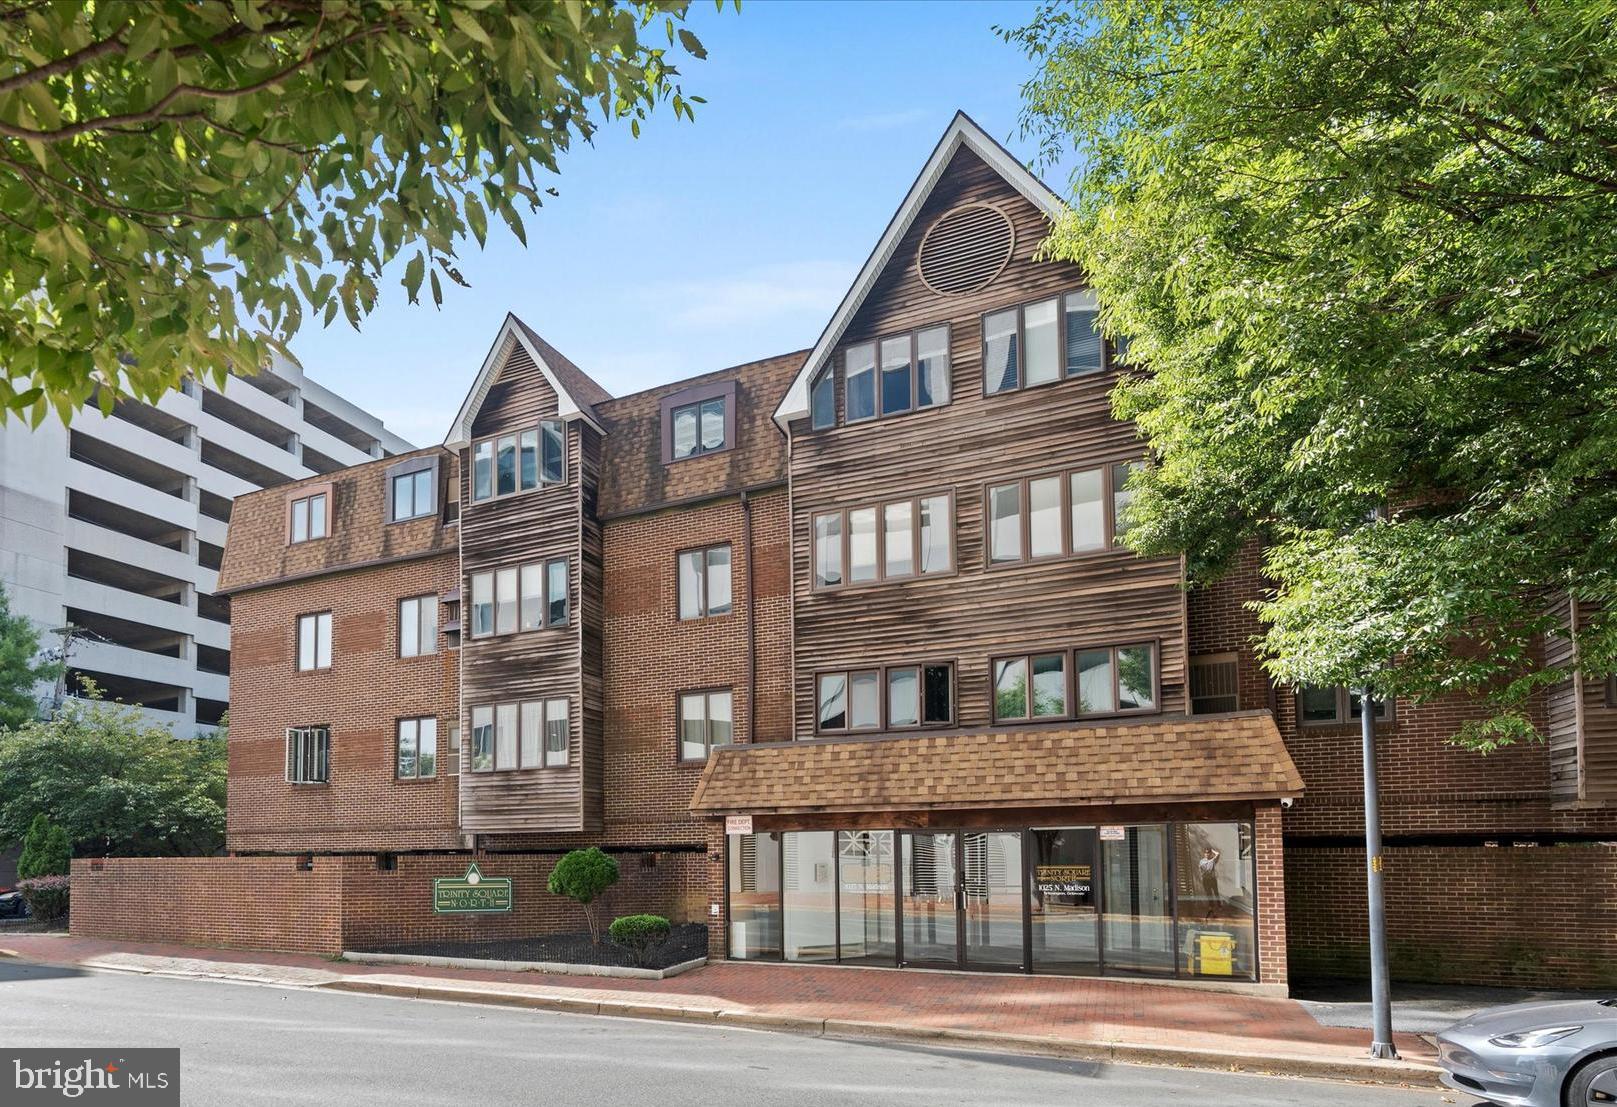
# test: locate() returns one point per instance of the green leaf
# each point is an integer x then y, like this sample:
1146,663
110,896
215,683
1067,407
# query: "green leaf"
692,44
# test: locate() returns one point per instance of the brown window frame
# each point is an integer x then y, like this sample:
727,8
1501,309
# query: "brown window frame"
880,508
883,723
545,621
410,468
305,493
515,433
707,694
1109,490
1344,710
493,706
1070,664
437,624
705,608
695,396
297,641
1108,353
398,745
1228,657
840,358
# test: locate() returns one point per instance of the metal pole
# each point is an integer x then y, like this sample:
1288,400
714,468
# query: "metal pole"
1380,997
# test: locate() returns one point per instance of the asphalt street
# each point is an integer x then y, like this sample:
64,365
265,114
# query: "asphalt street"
245,1045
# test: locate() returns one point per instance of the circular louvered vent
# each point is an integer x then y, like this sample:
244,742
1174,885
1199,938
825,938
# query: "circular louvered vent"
966,249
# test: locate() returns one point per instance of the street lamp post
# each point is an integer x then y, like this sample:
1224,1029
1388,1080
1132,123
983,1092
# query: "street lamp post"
1380,991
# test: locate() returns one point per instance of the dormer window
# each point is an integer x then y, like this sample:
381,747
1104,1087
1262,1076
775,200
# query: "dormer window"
698,421
309,517
412,489
520,461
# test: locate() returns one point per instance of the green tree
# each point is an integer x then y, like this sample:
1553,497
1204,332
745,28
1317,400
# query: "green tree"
582,875
45,850
113,783
1369,255
178,178
20,667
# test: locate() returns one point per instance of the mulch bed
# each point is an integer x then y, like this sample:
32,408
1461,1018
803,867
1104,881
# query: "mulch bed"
687,942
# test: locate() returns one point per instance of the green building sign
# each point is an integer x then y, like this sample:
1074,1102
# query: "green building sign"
471,894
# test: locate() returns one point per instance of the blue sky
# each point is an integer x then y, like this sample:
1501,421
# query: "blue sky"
703,245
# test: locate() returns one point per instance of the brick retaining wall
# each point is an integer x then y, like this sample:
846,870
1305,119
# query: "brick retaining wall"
348,902
1541,916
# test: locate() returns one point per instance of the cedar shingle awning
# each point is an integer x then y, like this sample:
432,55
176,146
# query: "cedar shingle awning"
1225,757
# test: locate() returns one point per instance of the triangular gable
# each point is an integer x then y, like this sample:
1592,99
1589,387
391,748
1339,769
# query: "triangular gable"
575,399
962,131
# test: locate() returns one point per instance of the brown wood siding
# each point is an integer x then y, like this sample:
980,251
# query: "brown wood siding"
504,533
1561,729
1109,597
590,575
1599,734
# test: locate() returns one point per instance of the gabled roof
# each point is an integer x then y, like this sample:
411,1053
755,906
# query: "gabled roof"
1239,756
576,392
962,131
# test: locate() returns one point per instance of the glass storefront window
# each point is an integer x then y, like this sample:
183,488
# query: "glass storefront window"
1217,899
866,896
1138,919
754,896
808,896
1064,901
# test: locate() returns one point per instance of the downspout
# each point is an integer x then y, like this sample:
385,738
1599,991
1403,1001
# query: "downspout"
752,663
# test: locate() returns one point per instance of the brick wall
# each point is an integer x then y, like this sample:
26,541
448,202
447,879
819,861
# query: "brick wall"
348,902
367,689
1526,917
235,902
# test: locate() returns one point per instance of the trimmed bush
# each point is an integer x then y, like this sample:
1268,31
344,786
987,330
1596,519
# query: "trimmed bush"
45,850
47,896
640,934
582,876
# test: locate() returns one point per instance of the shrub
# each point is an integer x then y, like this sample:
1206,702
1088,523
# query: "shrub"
47,896
581,876
45,850
640,934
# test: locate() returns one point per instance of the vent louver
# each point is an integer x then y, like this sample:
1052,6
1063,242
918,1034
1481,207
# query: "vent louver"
966,249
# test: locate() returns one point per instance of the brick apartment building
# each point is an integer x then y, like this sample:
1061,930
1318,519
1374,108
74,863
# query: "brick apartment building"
841,653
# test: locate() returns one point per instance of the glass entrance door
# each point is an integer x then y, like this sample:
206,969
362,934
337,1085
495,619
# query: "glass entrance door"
962,900
992,905
931,887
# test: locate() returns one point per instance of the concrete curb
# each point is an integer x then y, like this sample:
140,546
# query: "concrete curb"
1362,1070
557,968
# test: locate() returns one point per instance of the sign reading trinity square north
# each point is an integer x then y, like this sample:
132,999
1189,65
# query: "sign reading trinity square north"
471,894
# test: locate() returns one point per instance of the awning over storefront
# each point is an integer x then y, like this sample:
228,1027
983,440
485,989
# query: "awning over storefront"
1225,757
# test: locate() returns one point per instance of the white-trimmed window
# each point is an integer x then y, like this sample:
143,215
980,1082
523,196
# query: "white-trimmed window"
310,515
418,626
314,641
308,754
704,582
520,460
417,749
705,723
520,598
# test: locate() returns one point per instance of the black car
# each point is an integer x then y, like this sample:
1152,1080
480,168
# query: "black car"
12,905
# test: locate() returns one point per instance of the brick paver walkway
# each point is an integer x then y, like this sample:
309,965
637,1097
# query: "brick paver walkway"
1076,1008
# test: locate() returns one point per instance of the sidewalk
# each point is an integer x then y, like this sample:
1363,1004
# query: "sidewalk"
1103,1020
